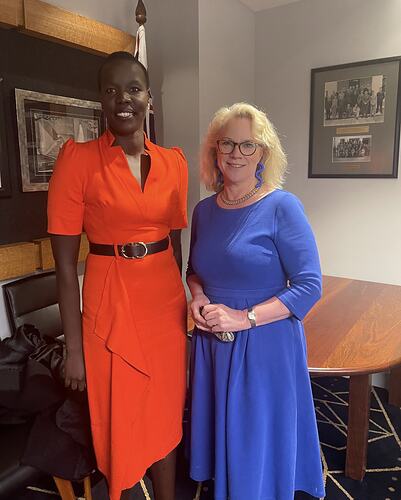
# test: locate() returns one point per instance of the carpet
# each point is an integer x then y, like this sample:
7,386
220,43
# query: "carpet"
383,476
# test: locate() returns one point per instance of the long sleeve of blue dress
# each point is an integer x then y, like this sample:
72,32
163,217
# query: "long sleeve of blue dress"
299,257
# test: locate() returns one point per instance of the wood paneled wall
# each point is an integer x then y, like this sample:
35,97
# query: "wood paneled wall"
47,21
24,258
11,13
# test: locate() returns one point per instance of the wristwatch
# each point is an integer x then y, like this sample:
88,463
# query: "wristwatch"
252,317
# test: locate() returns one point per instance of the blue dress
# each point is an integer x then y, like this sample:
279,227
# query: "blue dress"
253,426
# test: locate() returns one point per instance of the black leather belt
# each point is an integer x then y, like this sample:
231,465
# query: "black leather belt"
134,250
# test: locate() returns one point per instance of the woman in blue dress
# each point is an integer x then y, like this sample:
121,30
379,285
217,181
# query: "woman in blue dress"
253,273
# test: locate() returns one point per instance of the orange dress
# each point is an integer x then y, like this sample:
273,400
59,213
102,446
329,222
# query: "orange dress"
134,311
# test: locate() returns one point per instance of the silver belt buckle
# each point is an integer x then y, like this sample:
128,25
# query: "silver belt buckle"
225,336
135,245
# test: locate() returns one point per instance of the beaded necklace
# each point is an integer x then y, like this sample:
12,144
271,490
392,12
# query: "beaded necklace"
238,201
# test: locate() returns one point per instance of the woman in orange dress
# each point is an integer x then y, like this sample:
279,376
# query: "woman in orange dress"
129,195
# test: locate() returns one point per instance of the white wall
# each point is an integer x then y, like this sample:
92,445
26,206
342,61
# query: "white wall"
226,57
4,326
357,222
173,59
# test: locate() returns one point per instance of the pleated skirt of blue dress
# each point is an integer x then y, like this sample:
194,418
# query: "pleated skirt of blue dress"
253,427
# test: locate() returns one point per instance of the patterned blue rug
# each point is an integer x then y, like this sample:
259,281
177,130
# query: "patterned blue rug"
383,475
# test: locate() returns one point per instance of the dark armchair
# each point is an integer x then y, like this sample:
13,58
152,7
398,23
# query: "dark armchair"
31,300
34,300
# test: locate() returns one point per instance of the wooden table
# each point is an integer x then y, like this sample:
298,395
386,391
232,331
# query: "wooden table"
355,330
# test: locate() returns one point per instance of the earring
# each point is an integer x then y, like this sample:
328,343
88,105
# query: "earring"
258,174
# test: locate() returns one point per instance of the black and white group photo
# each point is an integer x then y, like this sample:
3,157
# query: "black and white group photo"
352,148
356,101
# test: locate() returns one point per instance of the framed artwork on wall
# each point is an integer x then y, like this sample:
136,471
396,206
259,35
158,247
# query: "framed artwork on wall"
355,120
5,186
45,122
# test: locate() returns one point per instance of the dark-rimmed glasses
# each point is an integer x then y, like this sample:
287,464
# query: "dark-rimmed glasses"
246,148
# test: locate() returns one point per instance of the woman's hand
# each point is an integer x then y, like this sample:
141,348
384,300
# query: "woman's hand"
74,371
65,251
220,318
197,304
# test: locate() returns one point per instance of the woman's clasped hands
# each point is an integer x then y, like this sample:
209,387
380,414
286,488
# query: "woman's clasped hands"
215,318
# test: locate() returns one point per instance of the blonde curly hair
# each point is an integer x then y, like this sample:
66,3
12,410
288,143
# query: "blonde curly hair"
264,133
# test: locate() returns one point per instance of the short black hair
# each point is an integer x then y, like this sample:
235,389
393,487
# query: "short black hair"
121,56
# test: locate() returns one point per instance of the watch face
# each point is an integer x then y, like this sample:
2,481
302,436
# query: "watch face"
251,313
252,317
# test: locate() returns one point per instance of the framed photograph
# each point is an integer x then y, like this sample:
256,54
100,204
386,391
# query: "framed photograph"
45,122
5,186
351,148
355,120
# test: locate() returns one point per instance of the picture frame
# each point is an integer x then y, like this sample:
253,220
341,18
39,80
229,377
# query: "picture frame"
5,182
45,122
354,129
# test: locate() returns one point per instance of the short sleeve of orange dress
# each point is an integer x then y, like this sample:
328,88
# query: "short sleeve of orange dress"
65,208
179,215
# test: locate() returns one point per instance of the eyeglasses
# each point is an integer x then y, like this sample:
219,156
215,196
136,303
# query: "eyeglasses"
247,148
